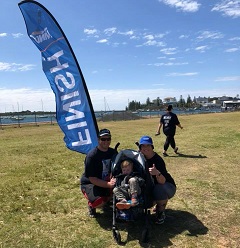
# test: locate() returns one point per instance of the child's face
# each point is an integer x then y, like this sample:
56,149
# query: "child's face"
127,169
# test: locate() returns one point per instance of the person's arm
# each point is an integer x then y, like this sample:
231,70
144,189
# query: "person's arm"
159,128
102,183
177,122
159,176
180,126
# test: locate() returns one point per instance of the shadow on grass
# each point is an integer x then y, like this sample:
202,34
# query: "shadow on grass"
188,156
177,222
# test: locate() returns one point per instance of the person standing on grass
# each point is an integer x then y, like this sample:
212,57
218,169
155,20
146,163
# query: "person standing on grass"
164,185
96,184
169,121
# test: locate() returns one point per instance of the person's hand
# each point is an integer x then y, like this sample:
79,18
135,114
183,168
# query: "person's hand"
156,134
112,182
153,170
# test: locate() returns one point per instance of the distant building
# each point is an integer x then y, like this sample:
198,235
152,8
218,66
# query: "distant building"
224,98
231,104
170,100
201,100
157,101
216,103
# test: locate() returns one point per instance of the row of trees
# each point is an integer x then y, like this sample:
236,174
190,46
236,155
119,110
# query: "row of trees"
159,104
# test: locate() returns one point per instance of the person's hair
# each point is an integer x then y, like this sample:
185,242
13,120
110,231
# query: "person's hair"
126,163
169,107
140,147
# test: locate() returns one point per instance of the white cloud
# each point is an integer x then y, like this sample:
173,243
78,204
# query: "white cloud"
183,36
90,31
102,41
3,34
169,51
201,48
169,64
226,79
149,37
154,43
110,31
15,67
231,50
17,35
127,33
26,99
183,5
210,35
234,38
187,74
228,8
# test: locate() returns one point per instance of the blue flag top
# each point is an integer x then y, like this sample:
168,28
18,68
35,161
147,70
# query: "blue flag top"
74,110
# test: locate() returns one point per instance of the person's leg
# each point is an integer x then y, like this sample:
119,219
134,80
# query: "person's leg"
166,145
134,186
135,190
96,196
172,141
121,195
162,192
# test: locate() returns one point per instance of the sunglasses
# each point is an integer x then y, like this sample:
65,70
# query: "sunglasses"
105,139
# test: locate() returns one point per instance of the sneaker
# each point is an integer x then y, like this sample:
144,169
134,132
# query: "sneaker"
165,154
123,204
92,212
134,202
160,218
176,150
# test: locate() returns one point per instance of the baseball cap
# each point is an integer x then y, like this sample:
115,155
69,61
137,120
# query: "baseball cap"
145,140
104,132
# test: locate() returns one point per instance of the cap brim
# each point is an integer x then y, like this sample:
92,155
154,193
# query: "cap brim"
145,143
104,134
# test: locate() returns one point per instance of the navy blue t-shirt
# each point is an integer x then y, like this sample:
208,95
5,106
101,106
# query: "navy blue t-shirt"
169,121
97,164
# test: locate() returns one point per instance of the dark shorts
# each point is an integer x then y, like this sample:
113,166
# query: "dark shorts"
163,191
93,192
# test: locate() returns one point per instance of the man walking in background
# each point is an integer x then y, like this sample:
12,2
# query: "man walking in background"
169,121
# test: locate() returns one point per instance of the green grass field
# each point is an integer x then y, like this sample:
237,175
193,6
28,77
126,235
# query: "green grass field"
42,206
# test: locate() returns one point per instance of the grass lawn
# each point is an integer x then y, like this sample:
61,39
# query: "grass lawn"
41,204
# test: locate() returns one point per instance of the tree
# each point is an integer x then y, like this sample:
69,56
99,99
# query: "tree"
158,101
148,102
181,101
194,100
189,101
134,105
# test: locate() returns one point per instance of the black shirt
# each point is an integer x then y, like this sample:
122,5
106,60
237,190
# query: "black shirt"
97,164
169,121
160,165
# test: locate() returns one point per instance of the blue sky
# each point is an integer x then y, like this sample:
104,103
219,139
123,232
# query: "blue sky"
127,50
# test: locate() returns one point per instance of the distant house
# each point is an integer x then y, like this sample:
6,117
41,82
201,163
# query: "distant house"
216,103
224,98
169,100
201,100
231,104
